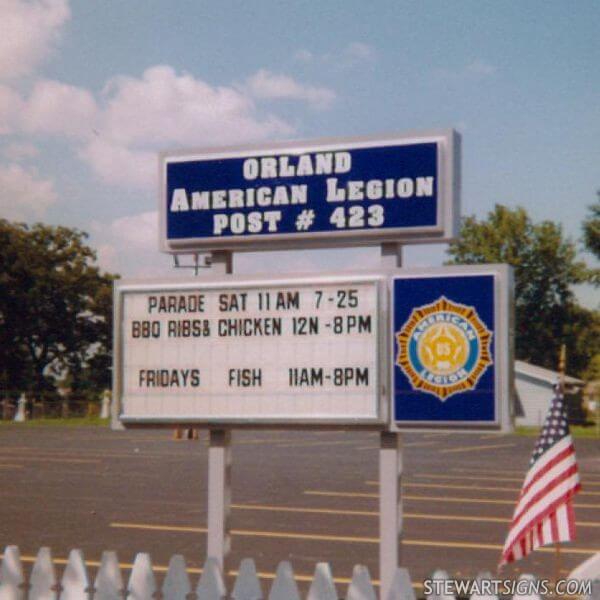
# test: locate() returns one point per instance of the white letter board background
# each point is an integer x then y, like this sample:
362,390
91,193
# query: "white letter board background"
215,399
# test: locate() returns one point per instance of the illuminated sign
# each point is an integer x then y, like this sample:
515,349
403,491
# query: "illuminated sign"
251,351
307,194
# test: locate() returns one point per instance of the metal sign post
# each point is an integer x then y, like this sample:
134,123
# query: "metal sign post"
390,508
218,540
218,543
390,474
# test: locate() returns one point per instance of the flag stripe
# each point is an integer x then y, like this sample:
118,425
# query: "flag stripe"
544,469
545,487
544,508
571,520
541,462
563,523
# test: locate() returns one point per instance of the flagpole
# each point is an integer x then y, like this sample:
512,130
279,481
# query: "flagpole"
562,364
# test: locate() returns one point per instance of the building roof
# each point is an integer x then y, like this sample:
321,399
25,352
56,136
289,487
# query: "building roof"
543,374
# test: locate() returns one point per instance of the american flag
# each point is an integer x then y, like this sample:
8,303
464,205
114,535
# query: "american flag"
544,512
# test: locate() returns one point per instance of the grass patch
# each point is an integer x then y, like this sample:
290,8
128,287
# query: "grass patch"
577,431
60,422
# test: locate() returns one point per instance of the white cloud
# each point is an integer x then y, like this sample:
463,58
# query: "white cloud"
57,108
129,246
19,151
118,164
476,69
30,30
165,108
161,110
480,67
139,231
10,109
23,195
351,55
358,52
266,85
303,55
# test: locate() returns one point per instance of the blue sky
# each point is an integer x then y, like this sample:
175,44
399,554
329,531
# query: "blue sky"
90,91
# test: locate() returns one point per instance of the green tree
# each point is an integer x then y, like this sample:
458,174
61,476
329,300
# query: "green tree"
545,267
591,236
53,310
591,228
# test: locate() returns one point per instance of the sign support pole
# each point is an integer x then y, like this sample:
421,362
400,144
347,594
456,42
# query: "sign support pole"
219,463
390,473
390,508
219,495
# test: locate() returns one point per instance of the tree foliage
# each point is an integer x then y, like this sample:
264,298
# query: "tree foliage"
55,309
591,228
545,268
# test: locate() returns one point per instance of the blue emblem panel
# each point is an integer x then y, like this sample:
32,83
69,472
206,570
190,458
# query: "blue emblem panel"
443,349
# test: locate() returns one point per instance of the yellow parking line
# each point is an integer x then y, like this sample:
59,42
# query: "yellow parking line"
469,448
251,533
428,498
419,444
308,510
475,488
186,528
91,454
338,538
58,460
308,444
408,445
478,478
259,441
522,473
374,513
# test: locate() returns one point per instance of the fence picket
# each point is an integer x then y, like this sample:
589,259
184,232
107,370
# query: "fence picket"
75,583
108,584
211,585
142,584
176,585
11,575
440,576
284,587
483,576
402,588
360,587
247,585
529,596
42,581
322,586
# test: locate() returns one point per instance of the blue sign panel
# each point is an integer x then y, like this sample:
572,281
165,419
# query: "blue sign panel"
444,359
377,190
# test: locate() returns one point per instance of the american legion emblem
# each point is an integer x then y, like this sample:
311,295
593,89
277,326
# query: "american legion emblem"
444,348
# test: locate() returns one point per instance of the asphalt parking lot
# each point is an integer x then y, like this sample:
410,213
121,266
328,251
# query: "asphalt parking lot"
300,496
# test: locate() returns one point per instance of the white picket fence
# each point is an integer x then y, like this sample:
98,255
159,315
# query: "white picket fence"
142,585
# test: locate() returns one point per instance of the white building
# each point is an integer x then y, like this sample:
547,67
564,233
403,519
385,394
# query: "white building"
535,391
